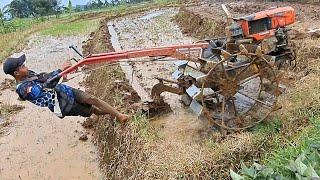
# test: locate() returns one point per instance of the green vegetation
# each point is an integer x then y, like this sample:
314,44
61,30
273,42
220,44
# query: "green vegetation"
281,156
145,130
15,41
33,8
165,1
72,28
304,167
18,24
70,9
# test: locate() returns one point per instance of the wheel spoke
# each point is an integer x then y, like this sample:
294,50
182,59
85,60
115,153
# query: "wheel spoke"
249,78
224,71
257,100
237,67
244,69
218,81
234,107
222,111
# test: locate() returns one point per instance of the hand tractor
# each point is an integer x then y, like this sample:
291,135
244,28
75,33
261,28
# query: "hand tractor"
232,81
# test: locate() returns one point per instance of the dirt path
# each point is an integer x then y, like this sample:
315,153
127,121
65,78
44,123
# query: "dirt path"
39,145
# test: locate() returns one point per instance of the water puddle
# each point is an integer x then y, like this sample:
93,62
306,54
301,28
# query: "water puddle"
1,120
151,15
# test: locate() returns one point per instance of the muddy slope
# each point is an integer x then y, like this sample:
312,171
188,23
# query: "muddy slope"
121,152
198,26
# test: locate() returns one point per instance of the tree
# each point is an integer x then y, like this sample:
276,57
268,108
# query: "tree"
112,3
55,6
2,21
106,3
27,8
93,4
21,8
5,27
99,3
70,9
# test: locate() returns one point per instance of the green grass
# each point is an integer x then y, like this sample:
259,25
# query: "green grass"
279,158
296,129
71,28
15,41
145,130
17,24
295,145
78,24
165,1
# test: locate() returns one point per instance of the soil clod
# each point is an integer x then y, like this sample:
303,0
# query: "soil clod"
83,137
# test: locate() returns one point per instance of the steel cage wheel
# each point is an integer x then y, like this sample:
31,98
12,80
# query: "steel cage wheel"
247,94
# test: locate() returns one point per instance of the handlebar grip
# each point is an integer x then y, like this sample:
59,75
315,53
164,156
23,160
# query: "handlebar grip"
52,82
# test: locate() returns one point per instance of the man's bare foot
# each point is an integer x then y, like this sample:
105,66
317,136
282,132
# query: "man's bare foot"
123,118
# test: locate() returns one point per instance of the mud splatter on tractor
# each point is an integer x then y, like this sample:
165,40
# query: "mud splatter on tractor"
232,81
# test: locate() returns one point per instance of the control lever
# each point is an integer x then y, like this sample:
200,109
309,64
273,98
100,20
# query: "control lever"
76,50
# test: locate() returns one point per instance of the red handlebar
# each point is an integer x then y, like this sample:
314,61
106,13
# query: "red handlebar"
170,51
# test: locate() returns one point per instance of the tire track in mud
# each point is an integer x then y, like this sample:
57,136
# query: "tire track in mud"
39,145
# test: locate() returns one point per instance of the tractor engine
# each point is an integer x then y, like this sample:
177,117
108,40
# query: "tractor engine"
267,29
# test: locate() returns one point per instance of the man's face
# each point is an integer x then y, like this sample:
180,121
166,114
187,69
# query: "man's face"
22,70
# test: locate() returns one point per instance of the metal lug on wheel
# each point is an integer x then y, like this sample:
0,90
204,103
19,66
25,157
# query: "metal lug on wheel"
192,91
177,74
196,107
243,49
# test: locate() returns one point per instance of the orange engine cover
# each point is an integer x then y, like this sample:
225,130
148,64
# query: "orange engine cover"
263,24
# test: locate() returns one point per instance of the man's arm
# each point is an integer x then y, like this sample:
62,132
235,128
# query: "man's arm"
43,77
29,91
46,76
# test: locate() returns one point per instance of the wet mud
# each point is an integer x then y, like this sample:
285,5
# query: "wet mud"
37,144
154,29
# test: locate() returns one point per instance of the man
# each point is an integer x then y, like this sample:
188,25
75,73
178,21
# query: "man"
59,98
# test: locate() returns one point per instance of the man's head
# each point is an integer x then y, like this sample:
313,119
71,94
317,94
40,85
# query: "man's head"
15,66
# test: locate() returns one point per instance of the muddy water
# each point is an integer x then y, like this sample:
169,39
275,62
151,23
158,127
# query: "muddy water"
39,145
150,30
